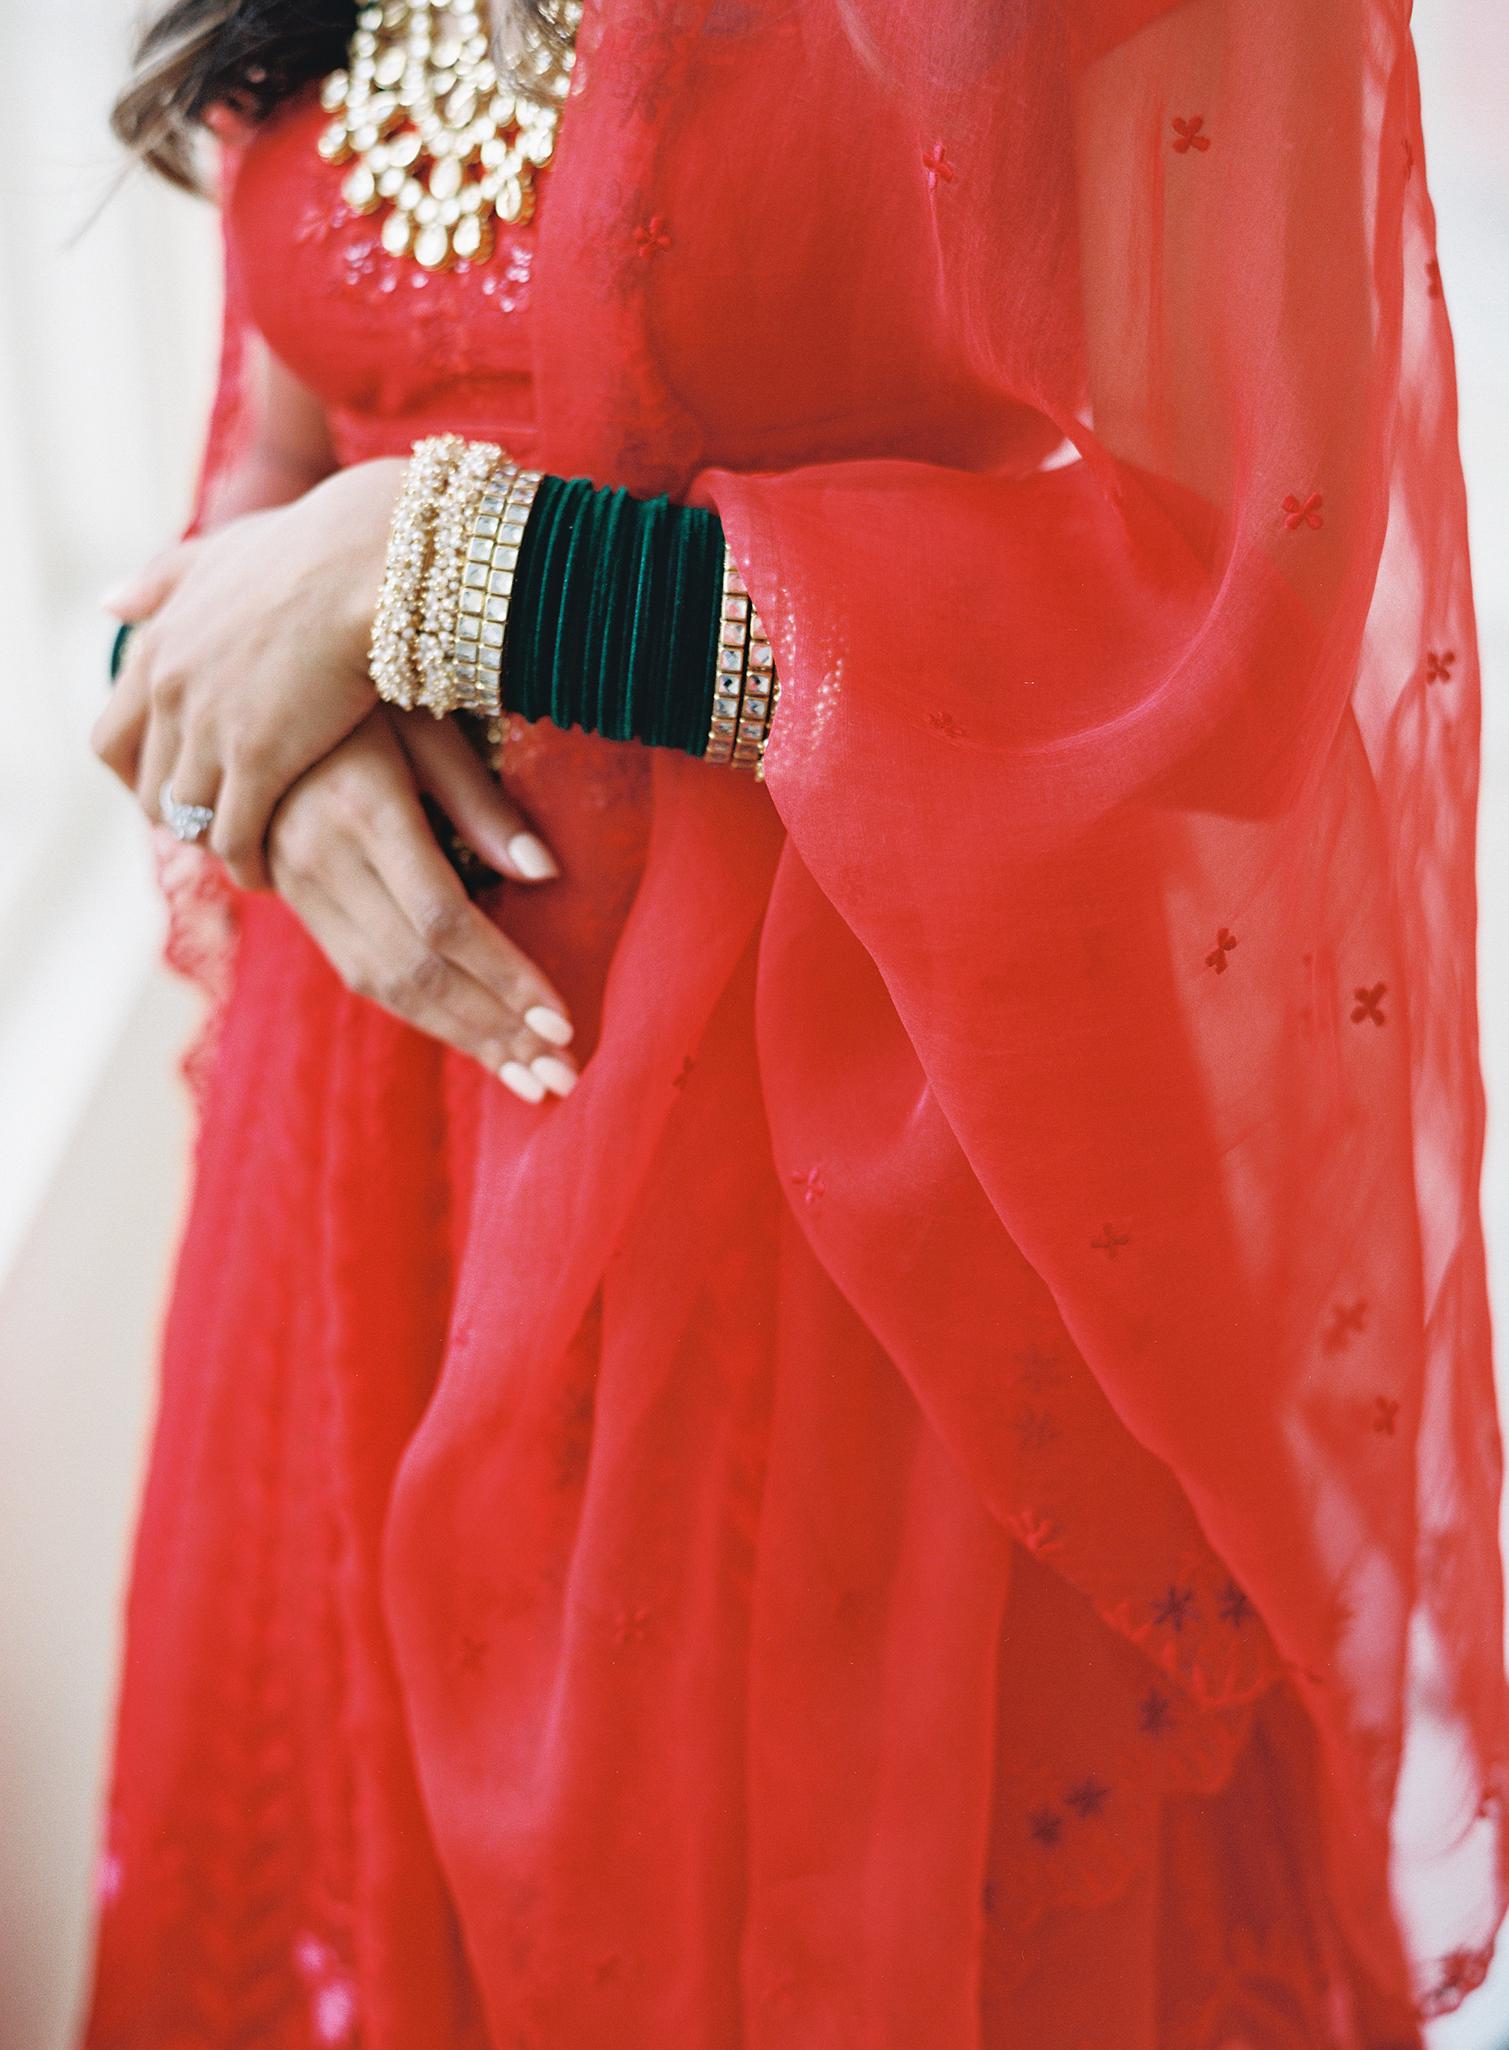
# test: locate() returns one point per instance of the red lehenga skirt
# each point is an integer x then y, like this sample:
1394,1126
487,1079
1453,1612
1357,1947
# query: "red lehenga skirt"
1117,1862
946,1499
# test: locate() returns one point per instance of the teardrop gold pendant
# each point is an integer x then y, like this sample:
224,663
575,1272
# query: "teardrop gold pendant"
437,139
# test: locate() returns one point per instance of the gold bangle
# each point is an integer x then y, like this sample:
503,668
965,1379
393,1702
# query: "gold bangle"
745,690
487,582
393,658
476,679
758,709
440,689
728,684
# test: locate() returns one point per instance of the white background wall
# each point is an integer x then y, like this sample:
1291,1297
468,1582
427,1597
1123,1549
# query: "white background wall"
106,344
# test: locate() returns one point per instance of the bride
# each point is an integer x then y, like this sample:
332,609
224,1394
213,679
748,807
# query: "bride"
829,1381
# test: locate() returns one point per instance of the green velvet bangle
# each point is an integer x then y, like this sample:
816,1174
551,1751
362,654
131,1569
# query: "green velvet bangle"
613,622
118,646
647,627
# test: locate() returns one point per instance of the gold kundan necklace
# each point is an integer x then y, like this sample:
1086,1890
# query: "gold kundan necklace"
436,133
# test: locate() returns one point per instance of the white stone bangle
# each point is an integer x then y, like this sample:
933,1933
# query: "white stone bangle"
394,654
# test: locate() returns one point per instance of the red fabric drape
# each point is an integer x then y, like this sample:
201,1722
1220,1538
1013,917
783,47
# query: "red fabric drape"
984,1394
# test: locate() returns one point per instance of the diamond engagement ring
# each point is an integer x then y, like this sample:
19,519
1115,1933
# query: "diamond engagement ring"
184,821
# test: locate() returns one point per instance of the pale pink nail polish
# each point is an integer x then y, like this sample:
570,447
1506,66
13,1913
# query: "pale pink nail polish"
515,1076
557,1076
532,858
548,1024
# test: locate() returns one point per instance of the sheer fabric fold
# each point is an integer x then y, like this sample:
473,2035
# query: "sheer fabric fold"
983,1396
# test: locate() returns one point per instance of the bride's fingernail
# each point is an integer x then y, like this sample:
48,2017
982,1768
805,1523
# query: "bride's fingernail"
557,1076
532,858
519,1079
548,1024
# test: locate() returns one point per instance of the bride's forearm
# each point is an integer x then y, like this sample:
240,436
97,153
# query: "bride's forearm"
289,450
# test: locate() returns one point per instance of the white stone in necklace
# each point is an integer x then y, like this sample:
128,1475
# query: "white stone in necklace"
438,140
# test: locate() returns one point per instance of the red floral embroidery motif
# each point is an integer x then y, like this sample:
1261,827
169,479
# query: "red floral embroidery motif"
1188,134
1346,1319
1110,1242
1087,1797
1369,1004
1439,664
1216,958
1154,1714
1175,1608
812,1185
651,236
1303,512
939,170
1035,1428
629,1626
1385,1414
1046,1826
946,724
1235,1606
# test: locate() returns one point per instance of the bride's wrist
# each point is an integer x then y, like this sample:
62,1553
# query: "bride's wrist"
623,617
353,508
436,640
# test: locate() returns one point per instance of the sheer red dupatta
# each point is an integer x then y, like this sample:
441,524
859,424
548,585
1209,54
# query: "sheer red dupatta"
1130,799
1075,1143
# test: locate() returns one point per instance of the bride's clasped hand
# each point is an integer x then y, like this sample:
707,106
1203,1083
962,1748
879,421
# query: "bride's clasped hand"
246,689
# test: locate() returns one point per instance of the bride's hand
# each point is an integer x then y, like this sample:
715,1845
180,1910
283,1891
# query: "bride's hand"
351,851
250,660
